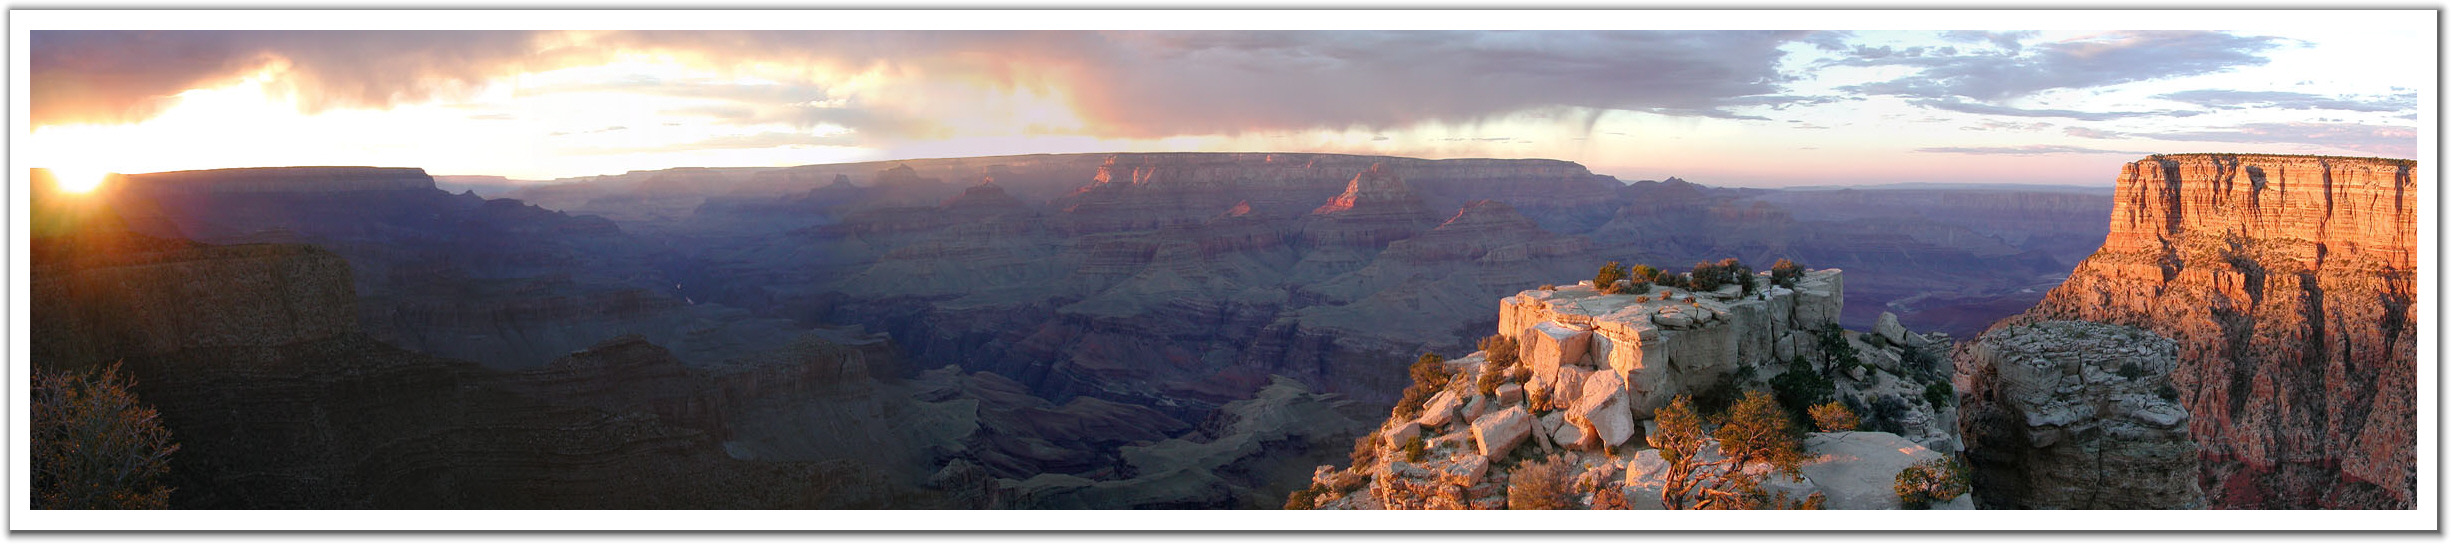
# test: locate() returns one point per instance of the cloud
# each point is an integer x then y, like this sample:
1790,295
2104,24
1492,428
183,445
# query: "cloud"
2005,125
893,83
1987,109
1158,83
2082,132
2025,150
2379,140
113,76
1827,40
2011,42
761,140
2094,61
2290,101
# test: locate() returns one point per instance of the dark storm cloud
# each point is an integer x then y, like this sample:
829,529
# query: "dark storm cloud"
107,76
2025,150
2103,60
2290,101
1203,82
1137,84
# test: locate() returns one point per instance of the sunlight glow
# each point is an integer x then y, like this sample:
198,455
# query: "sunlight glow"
77,180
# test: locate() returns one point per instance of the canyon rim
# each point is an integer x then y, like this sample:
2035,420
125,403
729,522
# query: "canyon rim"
2016,276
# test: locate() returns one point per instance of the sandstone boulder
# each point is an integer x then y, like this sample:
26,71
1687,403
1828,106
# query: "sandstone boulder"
1402,434
1645,477
1673,317
1572,437
1500,432
1602,411
1440,410
1889,329
1568,384
1466,471
1510,394
1549,345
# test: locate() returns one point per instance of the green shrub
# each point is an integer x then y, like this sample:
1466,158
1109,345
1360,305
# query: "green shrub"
1886,411
1799,389
1303,499
1365,450
2131,371
1545,484
1606,279
1785,273
1921,485
1643,273
1705,278
1429,376
1939,393
1833,417
1414,449
95,446
1503,350
1834,346
1490,379
1716,399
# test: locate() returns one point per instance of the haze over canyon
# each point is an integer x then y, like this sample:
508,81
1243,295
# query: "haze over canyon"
1209,270
1175,330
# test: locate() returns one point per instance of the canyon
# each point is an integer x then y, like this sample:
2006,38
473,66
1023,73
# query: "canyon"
1019,331
2287,284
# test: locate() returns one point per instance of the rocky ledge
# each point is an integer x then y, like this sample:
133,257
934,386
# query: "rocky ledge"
1591,370
2075,415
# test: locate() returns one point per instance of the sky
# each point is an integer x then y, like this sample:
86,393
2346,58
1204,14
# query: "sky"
1719,107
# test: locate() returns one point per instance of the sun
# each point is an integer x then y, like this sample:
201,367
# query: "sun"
78,180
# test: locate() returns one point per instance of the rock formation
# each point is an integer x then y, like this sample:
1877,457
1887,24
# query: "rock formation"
277,400
298,179
1375,209
2072,415
2289,284
1176,282
1597,366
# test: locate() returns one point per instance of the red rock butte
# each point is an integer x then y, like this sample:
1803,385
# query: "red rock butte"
2289,284
2345,205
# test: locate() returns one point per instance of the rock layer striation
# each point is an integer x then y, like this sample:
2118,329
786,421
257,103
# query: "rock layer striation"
2289,283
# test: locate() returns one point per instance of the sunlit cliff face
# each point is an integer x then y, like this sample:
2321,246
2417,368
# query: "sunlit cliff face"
1741,108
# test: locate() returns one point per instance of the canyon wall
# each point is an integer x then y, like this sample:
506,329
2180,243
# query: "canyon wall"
2289,283
2072,415
252,355
294,179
